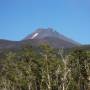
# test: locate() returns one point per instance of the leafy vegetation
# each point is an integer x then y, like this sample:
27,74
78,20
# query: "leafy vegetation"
45,69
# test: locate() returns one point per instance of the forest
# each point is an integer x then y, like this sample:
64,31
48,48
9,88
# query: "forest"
44,68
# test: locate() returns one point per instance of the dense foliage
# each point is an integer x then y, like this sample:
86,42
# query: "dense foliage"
45,69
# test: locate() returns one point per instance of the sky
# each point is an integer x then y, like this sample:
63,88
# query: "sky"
18,18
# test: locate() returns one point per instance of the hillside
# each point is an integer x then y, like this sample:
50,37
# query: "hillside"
38,62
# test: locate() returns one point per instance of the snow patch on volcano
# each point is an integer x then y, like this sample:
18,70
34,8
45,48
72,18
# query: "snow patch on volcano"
35,35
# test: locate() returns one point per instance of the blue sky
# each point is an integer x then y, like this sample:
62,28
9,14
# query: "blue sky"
19,18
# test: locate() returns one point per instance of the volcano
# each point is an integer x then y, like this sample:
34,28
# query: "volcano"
42,36
51,37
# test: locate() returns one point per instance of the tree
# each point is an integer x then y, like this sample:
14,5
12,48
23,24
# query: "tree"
77,65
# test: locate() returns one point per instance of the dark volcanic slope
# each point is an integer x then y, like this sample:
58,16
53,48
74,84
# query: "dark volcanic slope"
11,44
7,43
